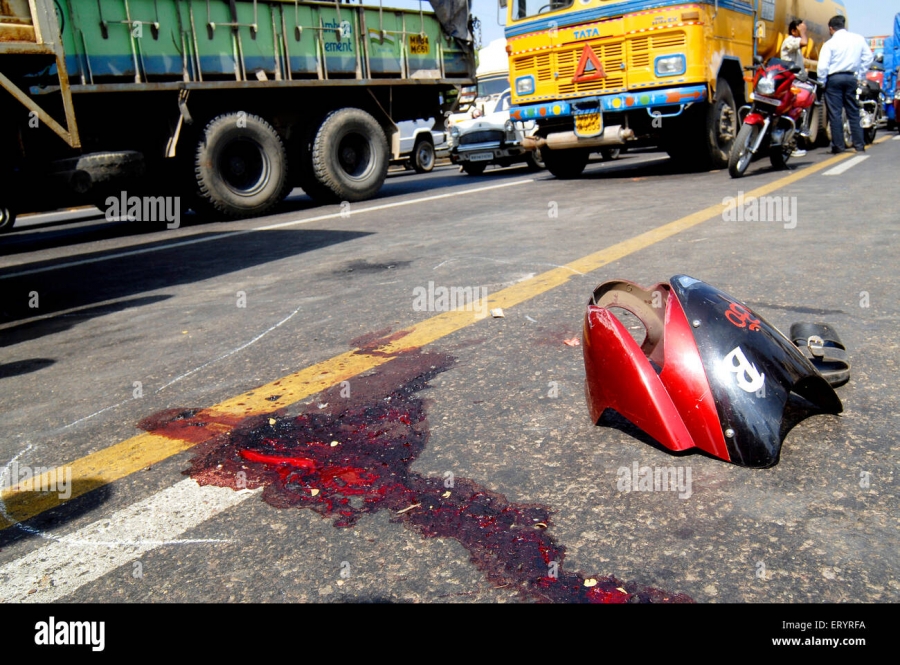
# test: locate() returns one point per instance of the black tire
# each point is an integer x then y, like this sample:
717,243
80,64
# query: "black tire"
822,139
740,155
869,134
7,219
809,142
722,126
535,160
474,168
779,156
240,166
423,156
566,164
610,154
848,136
350,154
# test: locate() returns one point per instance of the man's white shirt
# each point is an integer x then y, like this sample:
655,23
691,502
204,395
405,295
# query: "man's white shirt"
844,52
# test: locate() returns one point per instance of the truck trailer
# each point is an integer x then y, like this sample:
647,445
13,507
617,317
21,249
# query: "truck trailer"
226,104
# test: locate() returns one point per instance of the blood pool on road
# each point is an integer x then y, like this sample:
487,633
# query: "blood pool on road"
353,457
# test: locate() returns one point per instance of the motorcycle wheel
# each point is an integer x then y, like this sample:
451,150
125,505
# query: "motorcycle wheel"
779,156
740,154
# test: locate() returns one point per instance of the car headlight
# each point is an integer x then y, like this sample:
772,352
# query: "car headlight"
766,86
509,127
454,132
525,85
670,65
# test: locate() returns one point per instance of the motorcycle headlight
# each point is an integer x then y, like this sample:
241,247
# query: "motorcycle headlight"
766,86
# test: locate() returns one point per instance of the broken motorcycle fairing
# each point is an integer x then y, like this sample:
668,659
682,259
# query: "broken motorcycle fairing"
709,374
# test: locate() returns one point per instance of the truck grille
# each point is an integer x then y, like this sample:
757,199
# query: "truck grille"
616,56
483,136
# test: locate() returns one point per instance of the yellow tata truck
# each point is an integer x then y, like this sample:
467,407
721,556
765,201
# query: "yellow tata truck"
595,74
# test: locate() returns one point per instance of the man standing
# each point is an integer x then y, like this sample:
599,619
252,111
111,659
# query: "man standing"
792,51
842,59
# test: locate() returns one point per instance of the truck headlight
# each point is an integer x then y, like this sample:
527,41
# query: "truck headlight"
670,65
525,85
766,86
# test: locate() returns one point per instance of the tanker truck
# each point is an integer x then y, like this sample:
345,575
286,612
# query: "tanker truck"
226,105
606,73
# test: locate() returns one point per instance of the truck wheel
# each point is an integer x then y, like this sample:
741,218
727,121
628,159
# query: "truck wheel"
566,164
7,219
474,168
240,165
350,154
721,125
423,154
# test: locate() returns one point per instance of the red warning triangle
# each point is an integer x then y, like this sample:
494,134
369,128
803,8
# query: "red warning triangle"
589,67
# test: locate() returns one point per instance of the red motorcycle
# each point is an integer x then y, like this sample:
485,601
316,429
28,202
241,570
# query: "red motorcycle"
781,104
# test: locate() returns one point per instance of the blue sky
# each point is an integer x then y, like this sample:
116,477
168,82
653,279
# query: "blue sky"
867,17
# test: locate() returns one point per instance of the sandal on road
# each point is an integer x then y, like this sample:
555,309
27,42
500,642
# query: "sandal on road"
822,346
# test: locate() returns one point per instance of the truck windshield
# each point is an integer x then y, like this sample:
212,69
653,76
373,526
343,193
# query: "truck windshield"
492,86
527,8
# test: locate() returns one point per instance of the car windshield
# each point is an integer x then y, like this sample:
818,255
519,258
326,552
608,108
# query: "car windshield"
527,8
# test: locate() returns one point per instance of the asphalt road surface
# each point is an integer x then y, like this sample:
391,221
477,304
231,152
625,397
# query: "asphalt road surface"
282,409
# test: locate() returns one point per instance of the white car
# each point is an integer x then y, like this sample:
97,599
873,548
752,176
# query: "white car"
421,145
491,139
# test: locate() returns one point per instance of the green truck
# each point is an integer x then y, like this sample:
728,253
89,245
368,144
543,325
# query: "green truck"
226,105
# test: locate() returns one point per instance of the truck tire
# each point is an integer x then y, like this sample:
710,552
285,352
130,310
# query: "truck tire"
722,126
240,165
423,155
566,164
703,136
350,154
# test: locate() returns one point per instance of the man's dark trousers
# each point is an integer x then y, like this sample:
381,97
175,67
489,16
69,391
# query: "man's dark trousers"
840,92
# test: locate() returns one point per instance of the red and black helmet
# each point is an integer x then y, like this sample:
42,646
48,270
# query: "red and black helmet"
709,374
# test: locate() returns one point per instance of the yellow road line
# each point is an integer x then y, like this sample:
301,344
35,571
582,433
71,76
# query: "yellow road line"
143,450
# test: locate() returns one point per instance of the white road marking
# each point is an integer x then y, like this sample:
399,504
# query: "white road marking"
849,164
232,352
64,566
268,227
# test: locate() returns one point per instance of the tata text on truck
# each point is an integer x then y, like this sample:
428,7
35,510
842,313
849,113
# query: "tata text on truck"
596,73
226,103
